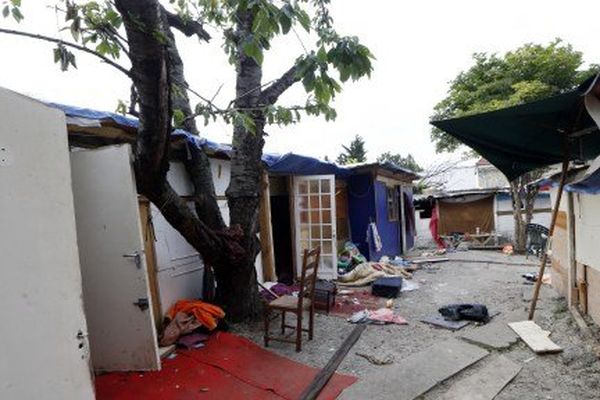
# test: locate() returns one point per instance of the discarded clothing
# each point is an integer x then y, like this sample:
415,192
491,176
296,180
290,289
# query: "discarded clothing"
470,312
192,340
207,314
368,272
380,316
280,289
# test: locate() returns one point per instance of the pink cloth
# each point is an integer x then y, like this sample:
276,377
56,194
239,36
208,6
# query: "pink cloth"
433,227
386,315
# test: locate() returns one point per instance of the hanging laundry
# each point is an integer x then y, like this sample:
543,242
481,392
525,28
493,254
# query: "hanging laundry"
373,236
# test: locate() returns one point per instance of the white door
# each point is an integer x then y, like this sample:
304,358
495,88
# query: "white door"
314,214
44,351
116,292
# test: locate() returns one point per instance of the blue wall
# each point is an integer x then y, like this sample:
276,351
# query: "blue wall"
367,201
361,208
388,230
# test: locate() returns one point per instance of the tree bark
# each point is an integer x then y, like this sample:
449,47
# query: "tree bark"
150,73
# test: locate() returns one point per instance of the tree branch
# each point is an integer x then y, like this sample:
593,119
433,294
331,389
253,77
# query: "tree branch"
270,95
68,44
187,27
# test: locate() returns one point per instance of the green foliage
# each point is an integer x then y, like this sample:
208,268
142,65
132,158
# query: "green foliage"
526,74
354,153
64,57
397,159
12,8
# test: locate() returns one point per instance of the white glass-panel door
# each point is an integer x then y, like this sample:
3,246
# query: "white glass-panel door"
314,211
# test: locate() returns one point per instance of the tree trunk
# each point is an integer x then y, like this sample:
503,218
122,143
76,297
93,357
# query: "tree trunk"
515,193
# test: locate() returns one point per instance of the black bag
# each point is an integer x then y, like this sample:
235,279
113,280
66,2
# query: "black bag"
387,287
470,312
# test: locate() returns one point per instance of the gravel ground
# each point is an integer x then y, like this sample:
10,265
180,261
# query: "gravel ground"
573,374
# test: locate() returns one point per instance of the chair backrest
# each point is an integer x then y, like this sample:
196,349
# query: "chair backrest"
308,277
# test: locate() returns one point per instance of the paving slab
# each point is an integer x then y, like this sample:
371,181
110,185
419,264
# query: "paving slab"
535,337
417,373
486,383
495,335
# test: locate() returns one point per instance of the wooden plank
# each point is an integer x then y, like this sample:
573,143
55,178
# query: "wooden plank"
150,252
486,383
266,232
572,266
429,260
319,382
535,337
416,374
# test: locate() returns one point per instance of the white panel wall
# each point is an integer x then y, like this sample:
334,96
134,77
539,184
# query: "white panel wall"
180,267
587,229
40,281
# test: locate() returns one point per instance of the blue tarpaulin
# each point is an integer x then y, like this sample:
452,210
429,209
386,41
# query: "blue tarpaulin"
287,164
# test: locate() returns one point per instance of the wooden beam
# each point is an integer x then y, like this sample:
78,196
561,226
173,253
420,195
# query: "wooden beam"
561,186
321,379
266,231
572,267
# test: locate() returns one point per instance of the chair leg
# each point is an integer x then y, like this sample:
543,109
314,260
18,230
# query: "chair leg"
311,317
267,321
283,322
299,332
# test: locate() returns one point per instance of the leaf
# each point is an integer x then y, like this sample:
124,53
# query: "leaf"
286,23
251,49
304,19
5,11
16,13
178,117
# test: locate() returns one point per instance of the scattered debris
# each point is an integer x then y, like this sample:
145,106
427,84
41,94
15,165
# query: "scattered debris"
429,260
368,272
535,337
387,360
508,250
387,287
440,322
470,312
408,286
323,376
381,316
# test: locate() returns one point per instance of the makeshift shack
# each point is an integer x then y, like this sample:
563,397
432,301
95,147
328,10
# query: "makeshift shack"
477,212
519,139
380,209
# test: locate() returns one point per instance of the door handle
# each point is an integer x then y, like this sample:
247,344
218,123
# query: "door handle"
137,258
142,304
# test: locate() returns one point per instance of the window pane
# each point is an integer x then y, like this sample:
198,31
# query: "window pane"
303,202
304,232
326,216
325,186
303,245
315,232
314,186
303,217
326,201
327,248
315,217
303,187
314,202
327,232
314,244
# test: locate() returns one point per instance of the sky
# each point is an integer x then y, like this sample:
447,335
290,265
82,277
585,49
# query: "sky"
420,46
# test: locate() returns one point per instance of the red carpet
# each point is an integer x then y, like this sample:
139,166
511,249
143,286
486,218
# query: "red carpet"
358,300
229,367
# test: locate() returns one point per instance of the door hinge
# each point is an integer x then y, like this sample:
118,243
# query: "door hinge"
142,303
137,258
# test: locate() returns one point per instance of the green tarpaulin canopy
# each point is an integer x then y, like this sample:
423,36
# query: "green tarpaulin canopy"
522,138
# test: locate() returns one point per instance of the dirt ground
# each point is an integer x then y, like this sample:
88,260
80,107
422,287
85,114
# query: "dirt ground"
572,374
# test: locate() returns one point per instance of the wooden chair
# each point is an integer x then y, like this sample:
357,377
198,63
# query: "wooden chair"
297,305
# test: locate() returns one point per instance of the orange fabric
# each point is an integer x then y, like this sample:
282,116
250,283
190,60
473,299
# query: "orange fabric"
207,314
